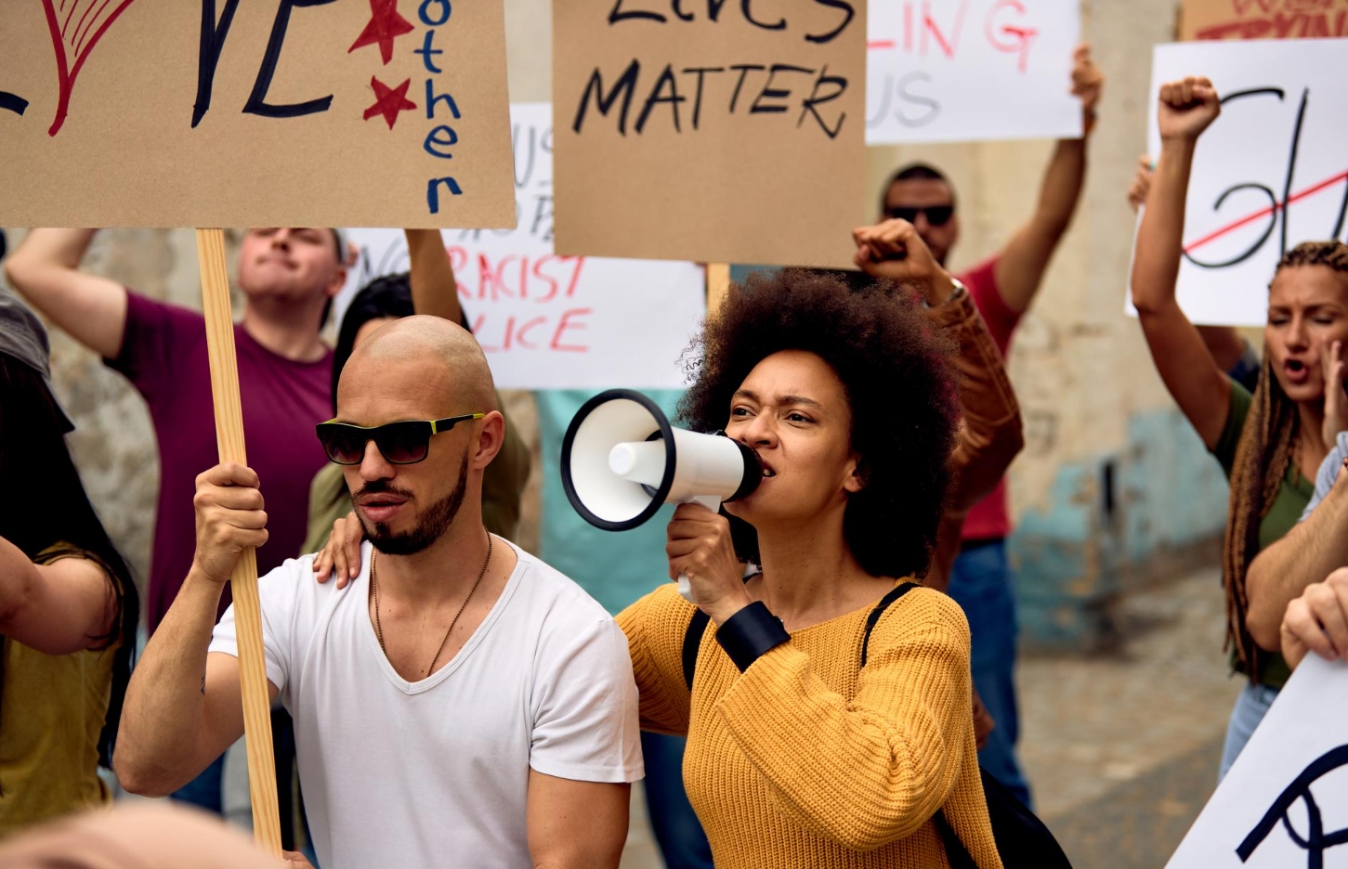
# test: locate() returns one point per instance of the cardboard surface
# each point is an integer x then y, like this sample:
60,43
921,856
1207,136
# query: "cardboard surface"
1290,780
110,114
549,321
1280,139
969,70
680,136
1263,19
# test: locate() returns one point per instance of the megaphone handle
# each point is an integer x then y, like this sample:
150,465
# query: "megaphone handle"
712,503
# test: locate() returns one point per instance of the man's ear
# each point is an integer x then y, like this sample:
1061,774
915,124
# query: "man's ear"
490,438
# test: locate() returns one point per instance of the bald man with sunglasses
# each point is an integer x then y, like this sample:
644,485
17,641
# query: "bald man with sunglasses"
458,699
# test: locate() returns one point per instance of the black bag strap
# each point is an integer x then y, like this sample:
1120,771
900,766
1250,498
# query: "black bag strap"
692,641
880,607
956,854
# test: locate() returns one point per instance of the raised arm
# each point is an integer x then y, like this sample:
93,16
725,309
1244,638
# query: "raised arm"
434,290
183,706
1313,549
45,270
1021,265
1199,387
576,824
57,608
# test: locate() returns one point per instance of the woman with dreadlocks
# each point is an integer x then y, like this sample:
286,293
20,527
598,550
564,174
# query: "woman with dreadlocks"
1267,442
68,607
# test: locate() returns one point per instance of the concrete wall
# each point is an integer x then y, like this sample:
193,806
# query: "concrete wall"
1113,487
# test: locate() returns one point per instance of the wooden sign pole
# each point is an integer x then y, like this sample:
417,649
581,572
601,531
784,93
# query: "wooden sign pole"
718,284
247,611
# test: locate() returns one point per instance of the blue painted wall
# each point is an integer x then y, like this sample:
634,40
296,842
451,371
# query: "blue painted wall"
1113,521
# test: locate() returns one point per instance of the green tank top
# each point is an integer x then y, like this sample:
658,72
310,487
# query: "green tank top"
52,709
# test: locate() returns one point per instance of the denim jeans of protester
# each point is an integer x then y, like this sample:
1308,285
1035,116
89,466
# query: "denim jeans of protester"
1251,707
683,845
981,584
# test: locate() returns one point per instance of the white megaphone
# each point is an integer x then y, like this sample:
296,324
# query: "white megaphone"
621,460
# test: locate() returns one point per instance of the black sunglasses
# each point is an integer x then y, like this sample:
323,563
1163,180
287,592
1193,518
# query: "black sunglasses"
937,215
401,443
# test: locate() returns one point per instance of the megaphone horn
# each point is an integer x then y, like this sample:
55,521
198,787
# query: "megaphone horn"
621,459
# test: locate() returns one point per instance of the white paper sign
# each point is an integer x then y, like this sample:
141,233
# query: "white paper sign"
1289,784
968,70
549,321
1282,138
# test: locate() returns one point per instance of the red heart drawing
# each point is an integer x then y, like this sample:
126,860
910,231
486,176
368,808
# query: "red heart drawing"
76,26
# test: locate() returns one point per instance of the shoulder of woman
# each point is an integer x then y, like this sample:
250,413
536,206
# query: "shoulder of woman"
921,614
659,612
59,552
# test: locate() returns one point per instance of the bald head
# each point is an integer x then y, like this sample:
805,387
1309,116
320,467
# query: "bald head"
438,354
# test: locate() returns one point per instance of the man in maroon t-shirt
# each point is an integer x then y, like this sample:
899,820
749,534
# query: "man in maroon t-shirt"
1002,286
289,277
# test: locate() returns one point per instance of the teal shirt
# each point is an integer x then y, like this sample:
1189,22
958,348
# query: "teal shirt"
1294,494
615,567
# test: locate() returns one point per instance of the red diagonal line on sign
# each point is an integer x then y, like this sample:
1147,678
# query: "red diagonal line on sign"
1264,212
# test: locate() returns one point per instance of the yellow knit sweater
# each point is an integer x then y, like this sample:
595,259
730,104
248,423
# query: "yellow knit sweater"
807,760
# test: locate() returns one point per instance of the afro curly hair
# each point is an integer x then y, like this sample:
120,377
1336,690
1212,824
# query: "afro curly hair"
895,371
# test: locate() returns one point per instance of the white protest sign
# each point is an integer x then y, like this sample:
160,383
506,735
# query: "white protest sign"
1268,174
1285,801
967,70
549,321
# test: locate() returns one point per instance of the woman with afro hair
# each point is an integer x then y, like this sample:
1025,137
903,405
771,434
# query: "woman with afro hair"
828,703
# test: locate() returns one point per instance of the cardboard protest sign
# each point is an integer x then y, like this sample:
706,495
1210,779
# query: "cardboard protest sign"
1263,19
968,70
1271,171
1285,800
549,321
221,113
710,131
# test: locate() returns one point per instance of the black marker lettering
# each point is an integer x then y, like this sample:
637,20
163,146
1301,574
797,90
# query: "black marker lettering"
257,101
697,100
1254,248
624,86
677,7
850,13
808,107
746,6
13,103
673,99
208,55
769,93
619,15
1292,168
744,69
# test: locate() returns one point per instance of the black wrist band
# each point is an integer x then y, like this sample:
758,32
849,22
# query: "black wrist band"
751,633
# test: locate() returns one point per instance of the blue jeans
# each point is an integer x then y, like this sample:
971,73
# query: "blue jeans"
206,790
1251,707
682,842
981,584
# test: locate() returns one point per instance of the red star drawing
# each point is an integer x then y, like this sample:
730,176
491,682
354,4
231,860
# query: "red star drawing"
385,26
389,101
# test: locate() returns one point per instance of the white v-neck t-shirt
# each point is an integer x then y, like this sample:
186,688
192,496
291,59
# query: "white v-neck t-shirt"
436,772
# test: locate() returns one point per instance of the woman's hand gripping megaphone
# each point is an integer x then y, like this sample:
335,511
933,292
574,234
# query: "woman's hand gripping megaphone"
702,558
